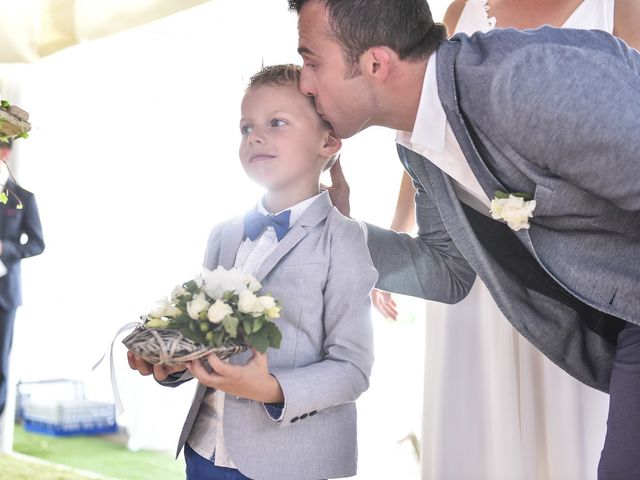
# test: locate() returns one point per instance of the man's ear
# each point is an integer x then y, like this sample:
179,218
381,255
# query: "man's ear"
377,61
331,144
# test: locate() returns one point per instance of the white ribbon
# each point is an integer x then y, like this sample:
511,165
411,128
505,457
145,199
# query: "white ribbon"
109,350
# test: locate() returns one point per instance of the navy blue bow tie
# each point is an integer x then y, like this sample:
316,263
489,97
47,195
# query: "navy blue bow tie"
255,223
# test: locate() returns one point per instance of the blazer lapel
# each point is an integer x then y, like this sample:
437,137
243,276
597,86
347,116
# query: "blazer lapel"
446,63
231,239
314,214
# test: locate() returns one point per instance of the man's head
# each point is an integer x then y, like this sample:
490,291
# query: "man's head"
350,46
285,144
5,149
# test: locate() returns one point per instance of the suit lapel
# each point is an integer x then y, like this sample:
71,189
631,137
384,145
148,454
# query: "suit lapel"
446,63
313,215
231,239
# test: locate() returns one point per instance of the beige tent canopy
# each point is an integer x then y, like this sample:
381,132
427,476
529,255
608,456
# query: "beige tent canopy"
32,29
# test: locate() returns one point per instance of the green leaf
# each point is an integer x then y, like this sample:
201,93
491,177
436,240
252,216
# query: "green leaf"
260,340
505,195
257,324
231,325
501,195
246,325
5,104
4,198
23,135
275,335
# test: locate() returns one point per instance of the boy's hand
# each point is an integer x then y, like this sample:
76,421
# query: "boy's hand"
160,372
339,189
252,381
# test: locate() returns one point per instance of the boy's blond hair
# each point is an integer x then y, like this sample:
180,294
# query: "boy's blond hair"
284,75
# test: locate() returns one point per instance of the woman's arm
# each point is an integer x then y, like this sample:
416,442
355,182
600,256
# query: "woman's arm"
627,22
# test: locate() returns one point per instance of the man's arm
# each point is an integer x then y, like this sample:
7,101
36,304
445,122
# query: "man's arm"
427,266
14,251
627,22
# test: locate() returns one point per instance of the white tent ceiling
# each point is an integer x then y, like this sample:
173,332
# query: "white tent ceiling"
32,29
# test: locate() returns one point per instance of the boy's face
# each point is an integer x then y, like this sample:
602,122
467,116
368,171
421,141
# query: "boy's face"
342,99
282,138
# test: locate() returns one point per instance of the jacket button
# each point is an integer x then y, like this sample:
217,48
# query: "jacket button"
303,416
311,414
294,419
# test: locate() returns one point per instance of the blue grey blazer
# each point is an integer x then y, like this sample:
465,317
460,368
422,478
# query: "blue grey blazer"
323,275
555,113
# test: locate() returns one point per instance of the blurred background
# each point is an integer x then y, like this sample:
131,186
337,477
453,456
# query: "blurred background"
132,159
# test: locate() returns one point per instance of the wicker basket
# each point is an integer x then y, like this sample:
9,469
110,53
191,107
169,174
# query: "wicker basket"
169,347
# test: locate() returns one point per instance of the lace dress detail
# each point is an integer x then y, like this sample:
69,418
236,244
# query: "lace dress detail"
475,17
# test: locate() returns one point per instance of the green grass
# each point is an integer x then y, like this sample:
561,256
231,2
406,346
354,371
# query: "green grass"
12,468
95,454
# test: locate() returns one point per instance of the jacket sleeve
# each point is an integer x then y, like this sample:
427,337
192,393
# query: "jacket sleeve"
12,249
427,266
343,374
578,113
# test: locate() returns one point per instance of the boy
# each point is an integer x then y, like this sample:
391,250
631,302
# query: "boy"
289,413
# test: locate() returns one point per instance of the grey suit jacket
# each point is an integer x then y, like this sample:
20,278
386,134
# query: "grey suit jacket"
323,275
554,113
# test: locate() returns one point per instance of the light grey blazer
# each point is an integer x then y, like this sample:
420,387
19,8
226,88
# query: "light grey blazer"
555,113
323,275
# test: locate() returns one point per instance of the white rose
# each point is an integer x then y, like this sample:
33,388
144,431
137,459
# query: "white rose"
516,211
172,312
159,308
252,283
248,302
220,280
178,291
267,302
197,305
273,312
218,311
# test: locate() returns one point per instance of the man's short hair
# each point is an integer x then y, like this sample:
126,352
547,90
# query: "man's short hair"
284,75
406,26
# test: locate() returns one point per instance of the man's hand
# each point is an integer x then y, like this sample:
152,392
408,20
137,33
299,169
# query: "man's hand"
252,381
384,303
160,372
339,189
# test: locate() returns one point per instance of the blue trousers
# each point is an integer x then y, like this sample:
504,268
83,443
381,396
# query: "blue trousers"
620,459
199,468
7,318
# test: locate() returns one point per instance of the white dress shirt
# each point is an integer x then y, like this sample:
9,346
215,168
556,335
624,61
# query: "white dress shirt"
433,138
250,256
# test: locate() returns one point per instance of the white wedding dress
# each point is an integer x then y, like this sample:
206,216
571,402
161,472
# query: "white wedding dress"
495,407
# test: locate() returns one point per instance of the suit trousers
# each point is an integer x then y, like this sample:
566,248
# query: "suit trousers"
620,459
199,468
7,318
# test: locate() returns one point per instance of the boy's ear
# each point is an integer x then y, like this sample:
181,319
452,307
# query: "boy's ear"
331,144
377,61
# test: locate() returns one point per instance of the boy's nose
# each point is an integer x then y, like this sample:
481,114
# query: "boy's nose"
255,137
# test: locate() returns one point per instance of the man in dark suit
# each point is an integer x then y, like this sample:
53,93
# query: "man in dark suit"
18,218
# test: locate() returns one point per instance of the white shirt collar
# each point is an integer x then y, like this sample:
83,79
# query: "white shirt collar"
431,121
296,210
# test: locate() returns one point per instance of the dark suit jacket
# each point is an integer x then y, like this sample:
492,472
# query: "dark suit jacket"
14,222
555,113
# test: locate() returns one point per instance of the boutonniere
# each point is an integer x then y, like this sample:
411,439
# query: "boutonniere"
514,208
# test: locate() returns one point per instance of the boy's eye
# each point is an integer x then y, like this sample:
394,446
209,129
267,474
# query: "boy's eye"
276,122
245,129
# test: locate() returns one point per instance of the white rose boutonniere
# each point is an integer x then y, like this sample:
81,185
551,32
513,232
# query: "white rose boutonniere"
514,208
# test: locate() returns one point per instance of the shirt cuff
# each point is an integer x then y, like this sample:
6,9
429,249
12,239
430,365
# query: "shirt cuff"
275,410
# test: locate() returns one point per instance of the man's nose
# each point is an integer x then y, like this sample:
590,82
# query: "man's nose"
306,84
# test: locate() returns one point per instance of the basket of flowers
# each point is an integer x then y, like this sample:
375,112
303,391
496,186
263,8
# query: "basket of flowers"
219,311
14,122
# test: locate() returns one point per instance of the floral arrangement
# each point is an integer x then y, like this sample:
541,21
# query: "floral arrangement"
218,310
